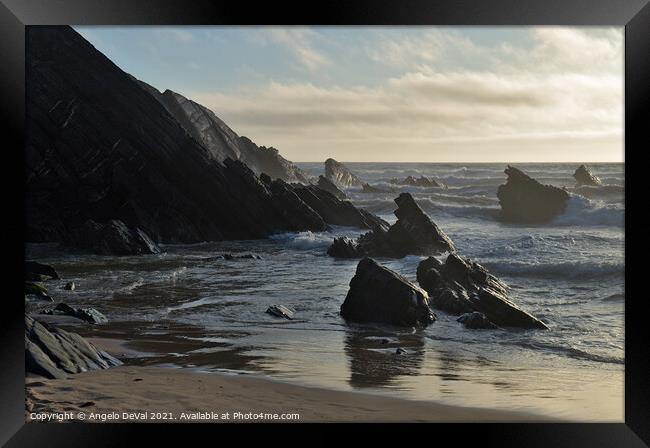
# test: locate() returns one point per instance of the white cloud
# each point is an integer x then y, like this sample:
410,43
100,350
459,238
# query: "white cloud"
298,41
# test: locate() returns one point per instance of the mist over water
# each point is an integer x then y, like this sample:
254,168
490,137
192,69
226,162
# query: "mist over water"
193,310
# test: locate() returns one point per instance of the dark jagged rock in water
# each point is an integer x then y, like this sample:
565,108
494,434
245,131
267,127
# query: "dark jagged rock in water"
584,177
525,200
37,290
222,142
240,257
330,187
281,311
413,234
476,320
112,238
70,286
340,174
369,189
421,181
378,294
462,286
55,353
35,271
101,147
90,315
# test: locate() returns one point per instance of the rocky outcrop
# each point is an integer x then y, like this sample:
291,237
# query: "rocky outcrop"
340,174
462,286
330,187
476,321
281,311
525,200
55,353
111,238
101,147
222,142
583,176
37,291
90,315
37,272
413,234
378,294
422,181
369,189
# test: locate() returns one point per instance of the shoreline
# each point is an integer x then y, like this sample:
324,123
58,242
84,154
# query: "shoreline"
172,394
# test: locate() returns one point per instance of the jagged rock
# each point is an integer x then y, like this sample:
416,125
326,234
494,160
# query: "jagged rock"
413,234
369,189
281,311
476,320
239,256
70,286
112,238
90,315
37,272
378,294
340,174
583,176
99,146
37,290
462,286
525,200
55,353
421,181
337,212
330,187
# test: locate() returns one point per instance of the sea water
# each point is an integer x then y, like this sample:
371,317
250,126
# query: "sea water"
187,308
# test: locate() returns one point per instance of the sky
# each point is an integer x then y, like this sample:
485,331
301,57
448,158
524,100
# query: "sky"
394,94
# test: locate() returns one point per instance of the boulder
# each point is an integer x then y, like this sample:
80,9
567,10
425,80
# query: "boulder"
413,234
330,187
422,181
380,295
90,315
463,286
525,200
583,176
281,311
35,271
112,238
70,286
55,353
476,320
340,174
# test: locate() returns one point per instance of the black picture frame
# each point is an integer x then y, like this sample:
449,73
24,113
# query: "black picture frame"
634,15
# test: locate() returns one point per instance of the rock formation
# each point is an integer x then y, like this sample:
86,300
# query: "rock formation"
111,238
525,200
340,174
55,353
378,294
37,272
90,315
329,186
462,286
413,234
421,181
369,189
583,176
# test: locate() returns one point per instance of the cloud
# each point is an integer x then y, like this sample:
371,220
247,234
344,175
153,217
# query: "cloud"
299,42
177,34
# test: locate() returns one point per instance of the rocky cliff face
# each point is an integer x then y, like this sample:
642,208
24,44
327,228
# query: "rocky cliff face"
101,147
340,174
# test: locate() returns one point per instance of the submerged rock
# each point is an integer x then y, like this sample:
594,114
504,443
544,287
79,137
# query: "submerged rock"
281,311
413,234
378,294
476,320
35,271
369,189
462,286
55,353
583,176
330,187
112,238
525,200
90,315
340,174
421,181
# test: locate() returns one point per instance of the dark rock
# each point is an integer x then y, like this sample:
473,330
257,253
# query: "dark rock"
281,311
340,174
70,286
378,294
35,271
330,187
111,238
90,315
37,290
55,353
476,320
584,177
237,257
525,200
421,181
413,234
400,351
462,286
369,189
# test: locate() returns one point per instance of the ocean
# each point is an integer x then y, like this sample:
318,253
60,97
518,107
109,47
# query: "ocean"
187,309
